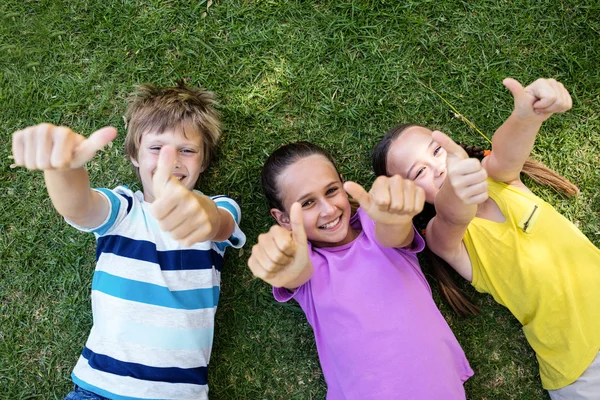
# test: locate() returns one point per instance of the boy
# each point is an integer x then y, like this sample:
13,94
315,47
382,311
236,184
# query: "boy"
159,252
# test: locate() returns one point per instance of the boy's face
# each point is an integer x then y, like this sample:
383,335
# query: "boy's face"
416,156
189,160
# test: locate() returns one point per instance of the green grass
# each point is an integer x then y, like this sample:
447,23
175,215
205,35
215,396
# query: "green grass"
339,73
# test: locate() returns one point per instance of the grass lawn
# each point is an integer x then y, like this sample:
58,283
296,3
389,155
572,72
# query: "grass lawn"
339,73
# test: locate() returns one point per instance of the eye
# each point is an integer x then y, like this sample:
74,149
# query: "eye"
307,203
419,172
331,191
155,148
188,151
437,150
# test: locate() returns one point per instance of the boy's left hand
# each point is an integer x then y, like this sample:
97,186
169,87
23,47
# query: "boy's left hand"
539,100
391,200
188,217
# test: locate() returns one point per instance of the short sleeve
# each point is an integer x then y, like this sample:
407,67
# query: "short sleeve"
417,245
283,295
120,202
237,238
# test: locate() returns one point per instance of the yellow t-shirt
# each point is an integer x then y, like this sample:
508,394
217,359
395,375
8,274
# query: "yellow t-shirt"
547,273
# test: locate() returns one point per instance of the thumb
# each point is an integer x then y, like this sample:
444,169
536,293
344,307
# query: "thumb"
297,224
358,193
515,87
164,168
449,145
94,143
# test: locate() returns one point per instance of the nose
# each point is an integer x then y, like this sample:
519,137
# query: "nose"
327,208
439,169
177,161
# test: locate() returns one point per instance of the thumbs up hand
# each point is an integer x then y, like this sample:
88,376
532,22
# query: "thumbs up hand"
280,257
391,200
187,216
465,175
539,100
50,147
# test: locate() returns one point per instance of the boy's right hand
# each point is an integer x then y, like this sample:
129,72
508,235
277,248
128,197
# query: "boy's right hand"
281,256
466,176
48,147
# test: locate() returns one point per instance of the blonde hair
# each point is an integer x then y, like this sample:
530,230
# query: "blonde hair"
154,109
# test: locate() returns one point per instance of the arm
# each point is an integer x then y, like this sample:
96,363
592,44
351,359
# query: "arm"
280,257
513,141
456,203
73,198
61,154
391,203
446,230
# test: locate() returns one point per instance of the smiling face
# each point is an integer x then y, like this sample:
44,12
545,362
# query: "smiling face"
188,163
314,182
415,156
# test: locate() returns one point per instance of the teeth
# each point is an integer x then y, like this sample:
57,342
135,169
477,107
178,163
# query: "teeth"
331,224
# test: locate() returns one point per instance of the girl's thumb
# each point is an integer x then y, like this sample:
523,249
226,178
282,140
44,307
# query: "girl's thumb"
514,86
297,224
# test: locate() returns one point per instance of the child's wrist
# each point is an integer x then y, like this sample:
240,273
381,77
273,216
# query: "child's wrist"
528,117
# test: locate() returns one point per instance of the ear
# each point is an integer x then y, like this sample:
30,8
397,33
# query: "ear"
134,162
282,218
342,178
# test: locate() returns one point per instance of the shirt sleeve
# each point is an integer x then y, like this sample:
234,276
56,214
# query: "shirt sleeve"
283,295
417,245
120,201
237,238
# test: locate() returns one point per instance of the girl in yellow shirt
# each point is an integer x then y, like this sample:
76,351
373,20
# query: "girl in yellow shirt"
508,242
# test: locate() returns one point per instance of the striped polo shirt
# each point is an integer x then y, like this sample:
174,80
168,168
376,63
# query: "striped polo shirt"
153,304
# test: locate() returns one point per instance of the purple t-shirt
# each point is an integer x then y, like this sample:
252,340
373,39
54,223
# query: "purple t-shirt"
378,331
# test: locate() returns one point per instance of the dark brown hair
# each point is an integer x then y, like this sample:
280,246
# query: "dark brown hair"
154,109
538,172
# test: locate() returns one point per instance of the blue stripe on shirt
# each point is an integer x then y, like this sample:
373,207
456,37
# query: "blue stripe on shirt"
229,207
149,293
195,376
115,205
171,260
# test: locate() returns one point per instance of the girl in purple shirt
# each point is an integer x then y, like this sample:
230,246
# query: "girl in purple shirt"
378,331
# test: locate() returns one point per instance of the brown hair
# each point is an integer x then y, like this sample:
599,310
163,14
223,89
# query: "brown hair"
538,172
155,109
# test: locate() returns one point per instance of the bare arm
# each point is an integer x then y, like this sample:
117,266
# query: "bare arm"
61,154
456,205
73,198
513,141
446,230
395,235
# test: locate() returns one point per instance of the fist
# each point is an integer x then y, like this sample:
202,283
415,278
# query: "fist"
46,147
539,100
280,256
187,216
465,175
391,200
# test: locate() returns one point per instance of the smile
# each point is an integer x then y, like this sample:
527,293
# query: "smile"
332,224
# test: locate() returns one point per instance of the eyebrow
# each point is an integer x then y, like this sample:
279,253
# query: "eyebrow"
412,166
